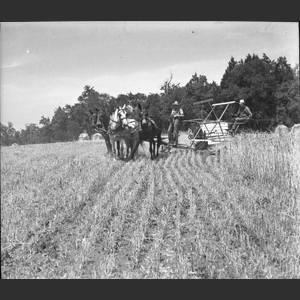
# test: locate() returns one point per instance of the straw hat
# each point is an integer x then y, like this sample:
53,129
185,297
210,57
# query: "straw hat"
175,103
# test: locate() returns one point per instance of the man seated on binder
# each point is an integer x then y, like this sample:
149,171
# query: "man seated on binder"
243,115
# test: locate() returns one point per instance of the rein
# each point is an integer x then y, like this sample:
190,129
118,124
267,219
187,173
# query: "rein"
114,121
120,131
100,130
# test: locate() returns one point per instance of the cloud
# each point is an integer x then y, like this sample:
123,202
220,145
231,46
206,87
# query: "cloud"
24,59
12,65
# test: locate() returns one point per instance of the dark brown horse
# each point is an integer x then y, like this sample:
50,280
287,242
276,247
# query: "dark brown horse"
100,122
149,130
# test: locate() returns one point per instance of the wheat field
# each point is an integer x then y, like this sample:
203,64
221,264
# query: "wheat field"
68,210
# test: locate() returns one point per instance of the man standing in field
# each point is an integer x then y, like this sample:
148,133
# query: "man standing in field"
175,122
243,115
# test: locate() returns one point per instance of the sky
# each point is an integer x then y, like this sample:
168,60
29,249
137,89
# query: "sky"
45,65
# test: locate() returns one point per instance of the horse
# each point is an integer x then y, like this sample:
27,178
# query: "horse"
123,129
148,131
130,117
131,112
100,122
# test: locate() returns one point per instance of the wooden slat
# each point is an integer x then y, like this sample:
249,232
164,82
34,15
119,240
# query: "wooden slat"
259,120
250,120
193,120
213,122
202,121
223,103
203,101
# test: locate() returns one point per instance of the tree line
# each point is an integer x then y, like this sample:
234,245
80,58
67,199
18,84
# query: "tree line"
270,89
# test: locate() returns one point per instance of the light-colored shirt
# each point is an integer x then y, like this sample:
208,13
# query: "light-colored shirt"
177,113
244,111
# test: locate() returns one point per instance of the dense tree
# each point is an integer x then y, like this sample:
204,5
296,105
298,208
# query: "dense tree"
31,134
231,65
198,89
168,86
46,131
78,120
288,99
91,98
59,124
256,80
270,88
130,99
9,135
283,71
171,92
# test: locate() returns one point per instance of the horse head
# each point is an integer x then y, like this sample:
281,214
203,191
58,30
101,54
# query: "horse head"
129,110
146,123
99,119
143,110
123,115
118,118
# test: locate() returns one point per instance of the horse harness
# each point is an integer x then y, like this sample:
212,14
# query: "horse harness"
120,131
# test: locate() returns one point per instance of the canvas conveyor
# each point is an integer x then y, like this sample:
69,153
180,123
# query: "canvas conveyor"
205,132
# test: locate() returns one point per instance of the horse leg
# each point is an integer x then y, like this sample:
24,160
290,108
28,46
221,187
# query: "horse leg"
121,152
128,146
150,148
129,150
118,147
108,146
126,150
134,149
158,143
112,141
107,142
132,146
